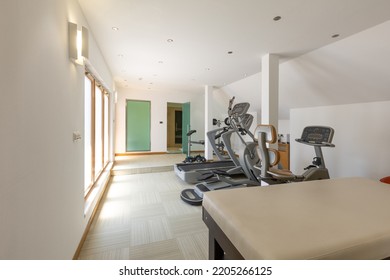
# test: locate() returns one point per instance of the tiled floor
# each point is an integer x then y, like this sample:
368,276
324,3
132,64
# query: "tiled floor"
143,217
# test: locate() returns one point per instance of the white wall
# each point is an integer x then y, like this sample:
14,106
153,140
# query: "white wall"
284,127
159,102
361,139
41,168
220,104
246,90
351,70
249,90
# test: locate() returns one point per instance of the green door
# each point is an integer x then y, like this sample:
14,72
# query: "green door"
185,125
137,125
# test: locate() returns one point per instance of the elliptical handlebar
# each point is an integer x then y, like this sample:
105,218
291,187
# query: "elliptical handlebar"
231,101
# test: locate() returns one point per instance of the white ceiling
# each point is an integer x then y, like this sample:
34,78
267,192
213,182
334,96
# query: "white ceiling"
204,31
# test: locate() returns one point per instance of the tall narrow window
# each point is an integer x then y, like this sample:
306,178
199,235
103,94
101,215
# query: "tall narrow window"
87,133
106,128
98,131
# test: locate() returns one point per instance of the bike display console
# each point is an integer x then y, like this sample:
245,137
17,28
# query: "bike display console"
317,136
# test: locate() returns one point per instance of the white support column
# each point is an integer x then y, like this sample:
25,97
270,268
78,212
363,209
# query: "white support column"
270,90
208,125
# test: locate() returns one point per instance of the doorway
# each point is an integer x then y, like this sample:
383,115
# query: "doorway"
174,127
178,120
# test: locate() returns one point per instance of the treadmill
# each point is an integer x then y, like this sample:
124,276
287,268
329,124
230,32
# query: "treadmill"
192,172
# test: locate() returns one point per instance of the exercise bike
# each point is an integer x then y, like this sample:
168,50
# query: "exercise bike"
316,136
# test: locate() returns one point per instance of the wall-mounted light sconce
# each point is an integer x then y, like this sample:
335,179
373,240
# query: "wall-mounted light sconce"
78,43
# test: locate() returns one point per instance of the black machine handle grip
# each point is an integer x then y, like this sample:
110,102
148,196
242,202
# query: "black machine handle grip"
231,101
313,143
189,133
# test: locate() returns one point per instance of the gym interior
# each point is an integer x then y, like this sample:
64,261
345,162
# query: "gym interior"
91,135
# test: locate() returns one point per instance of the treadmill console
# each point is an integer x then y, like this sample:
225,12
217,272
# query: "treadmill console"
317,135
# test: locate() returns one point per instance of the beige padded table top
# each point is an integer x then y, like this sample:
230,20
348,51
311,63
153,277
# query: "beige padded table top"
346,218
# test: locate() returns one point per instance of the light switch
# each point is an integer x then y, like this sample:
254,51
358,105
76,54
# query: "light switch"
76,136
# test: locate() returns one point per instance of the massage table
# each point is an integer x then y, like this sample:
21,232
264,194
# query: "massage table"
346,218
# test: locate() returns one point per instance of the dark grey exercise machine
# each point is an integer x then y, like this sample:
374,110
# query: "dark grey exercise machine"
316,136
191,172
246,160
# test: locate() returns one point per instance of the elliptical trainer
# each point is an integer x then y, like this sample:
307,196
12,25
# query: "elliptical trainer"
247,158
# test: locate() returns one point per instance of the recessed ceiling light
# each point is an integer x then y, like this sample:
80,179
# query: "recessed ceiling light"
115,28
277,18
170,40
335,35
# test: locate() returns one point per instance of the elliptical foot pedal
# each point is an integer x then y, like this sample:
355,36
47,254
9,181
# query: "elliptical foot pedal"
191,197
205,176
200,189
221,172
